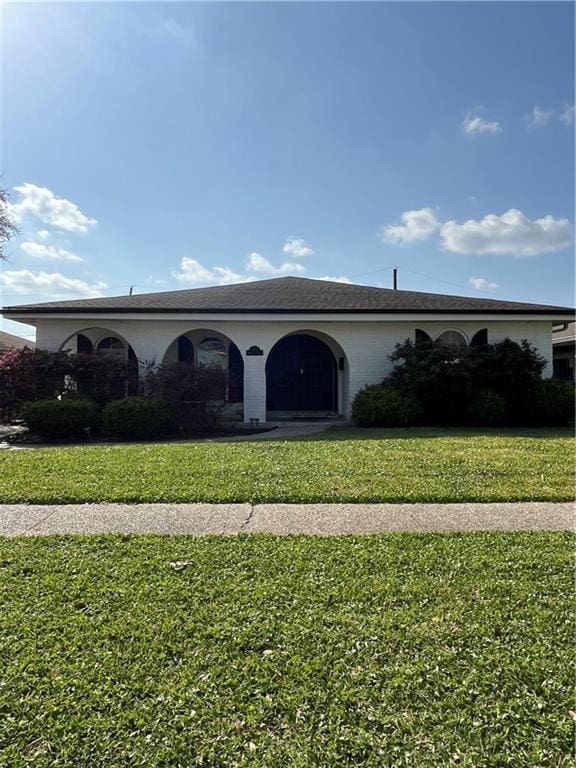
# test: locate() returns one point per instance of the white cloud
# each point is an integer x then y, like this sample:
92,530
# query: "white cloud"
40,251
191,271
567,115
416,225
258,263
474,125
44,205
195,273
540,117
480,283
44,234
297,247
511,234
52,284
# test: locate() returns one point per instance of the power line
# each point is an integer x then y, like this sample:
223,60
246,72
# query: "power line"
373,271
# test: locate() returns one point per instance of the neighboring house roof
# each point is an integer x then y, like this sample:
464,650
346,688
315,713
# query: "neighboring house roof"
564,334
9,341
286,295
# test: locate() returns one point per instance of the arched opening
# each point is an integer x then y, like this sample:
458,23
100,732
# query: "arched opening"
107,343
207,347
302,378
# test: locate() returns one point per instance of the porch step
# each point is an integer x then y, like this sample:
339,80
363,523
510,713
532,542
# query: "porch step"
301,415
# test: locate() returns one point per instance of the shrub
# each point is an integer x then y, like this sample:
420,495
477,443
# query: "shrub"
549,403
101,378
61,419
26,375
384,406
196,393
139,418
507,368
436,377
449,382
488,409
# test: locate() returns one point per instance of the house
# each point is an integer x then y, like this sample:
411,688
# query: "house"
293,347
563,351
9,341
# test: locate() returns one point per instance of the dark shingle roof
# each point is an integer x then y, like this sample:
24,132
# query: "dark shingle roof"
9,341
289,295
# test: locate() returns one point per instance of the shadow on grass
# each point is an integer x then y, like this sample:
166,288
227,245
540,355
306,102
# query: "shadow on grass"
427,433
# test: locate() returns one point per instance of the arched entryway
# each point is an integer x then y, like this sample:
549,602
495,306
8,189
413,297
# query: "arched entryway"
302,378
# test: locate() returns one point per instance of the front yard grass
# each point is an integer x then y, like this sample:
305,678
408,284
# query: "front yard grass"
388,651
340,465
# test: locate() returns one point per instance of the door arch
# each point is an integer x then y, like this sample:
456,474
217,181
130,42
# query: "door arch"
301,376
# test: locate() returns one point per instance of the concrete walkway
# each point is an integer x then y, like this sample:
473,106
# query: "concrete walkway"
278,430
284,430
324,519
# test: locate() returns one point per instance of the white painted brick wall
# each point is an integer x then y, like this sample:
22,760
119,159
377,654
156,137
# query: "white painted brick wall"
364,345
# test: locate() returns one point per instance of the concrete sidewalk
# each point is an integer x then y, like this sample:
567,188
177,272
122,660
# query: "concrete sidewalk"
324,519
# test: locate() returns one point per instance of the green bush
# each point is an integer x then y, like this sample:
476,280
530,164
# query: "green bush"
550,404
488,409
196,393
486,385
139,418
382,406
61,419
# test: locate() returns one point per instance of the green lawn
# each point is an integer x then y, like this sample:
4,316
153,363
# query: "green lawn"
399,650
342,464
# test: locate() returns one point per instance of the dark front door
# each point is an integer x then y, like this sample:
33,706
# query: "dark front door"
301,376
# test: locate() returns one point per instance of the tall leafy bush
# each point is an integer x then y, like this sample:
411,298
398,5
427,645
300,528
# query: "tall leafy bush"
197,393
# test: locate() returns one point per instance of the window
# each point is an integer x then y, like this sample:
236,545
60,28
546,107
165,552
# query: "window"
212,351
421,337
480,338
185,350
84,345
112,346
451,339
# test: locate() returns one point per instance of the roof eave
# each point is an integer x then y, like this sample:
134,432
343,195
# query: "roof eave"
42,311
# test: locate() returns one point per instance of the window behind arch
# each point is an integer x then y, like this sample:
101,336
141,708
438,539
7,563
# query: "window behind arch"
421,337
84,345
480,338
451,339
112,346
211,351
185,350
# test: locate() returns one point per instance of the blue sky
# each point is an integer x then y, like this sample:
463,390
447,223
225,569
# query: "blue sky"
173,145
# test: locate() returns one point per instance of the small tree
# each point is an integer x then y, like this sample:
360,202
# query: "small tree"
8,227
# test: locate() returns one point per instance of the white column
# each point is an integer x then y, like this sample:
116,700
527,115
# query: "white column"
254,388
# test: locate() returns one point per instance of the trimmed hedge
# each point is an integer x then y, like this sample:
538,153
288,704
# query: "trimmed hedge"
139,418
61,419
551,403
381,406
489,409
